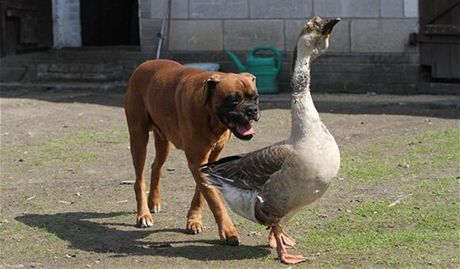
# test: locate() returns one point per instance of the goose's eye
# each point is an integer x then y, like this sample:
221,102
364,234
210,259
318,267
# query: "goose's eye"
309,28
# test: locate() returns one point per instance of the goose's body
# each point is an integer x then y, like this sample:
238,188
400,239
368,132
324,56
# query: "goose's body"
269,185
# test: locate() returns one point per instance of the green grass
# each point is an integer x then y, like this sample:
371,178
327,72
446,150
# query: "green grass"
12,234
404,155
73,149
420,230
423,227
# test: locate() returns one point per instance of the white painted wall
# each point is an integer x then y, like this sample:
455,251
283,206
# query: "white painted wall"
66,23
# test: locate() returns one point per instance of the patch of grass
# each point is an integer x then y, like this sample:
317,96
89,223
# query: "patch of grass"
14,234
401,155
73,149
423,227
17,228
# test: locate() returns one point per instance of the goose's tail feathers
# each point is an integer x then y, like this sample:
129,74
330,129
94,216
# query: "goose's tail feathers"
215,180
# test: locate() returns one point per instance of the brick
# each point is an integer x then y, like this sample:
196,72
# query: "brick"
217,9
292,29
196,35
340,38
411,8
347,8
149,28
368,35
179,9
145,7
245,34
12,73
149,50
392,8
273,9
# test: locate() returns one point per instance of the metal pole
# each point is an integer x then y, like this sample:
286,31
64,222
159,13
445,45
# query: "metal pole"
160,35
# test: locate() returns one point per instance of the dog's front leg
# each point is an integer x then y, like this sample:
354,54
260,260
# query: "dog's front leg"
227,230
195,213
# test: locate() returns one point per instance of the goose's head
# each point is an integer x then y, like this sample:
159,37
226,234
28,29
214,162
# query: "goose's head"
314,37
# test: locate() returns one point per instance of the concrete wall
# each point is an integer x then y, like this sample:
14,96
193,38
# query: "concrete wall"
373,32
214,25
66,23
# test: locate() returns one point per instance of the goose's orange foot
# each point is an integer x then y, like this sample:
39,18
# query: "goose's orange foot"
287,240
292,259
284,241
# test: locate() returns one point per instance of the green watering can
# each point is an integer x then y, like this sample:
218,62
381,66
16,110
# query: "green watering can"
265,66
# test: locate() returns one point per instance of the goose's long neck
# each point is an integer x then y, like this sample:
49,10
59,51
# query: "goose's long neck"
305,117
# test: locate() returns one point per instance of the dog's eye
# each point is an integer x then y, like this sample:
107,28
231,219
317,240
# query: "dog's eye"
236,99
255,98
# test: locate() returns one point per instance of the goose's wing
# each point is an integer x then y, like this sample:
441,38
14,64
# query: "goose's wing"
251,170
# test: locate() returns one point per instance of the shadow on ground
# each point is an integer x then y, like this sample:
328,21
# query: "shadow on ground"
444,107
95,232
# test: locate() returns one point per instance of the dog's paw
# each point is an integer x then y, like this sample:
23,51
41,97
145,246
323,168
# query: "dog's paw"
230,236
144,221
194,227
155,207
154,204
233,241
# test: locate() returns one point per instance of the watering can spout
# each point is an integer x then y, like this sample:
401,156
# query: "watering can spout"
239,65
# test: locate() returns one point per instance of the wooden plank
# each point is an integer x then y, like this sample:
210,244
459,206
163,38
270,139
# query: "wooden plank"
455,61
425,54
439,37
25,24
439,8
445,61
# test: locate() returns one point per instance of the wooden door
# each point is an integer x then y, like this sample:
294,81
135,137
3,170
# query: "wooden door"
25,25
439,37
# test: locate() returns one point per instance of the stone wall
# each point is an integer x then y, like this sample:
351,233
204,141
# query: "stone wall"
66,23
370,29
214,25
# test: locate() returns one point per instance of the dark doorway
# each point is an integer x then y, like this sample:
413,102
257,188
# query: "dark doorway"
439,38
25,26
109,22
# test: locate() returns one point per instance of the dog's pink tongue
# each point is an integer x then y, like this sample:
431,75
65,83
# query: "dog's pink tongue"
245,130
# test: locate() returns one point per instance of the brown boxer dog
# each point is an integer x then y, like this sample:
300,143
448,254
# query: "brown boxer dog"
197,112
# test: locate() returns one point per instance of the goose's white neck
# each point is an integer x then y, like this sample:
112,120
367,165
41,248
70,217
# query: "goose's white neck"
305,117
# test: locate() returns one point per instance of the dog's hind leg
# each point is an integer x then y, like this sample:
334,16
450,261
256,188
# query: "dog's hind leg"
139,140
138,125
161,153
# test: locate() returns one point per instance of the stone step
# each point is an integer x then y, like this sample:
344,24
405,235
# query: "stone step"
116,87
85,65
79,72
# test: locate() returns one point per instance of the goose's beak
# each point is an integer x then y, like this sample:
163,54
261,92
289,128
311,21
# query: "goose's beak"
327,27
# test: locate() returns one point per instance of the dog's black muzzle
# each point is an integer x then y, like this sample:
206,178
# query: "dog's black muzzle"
239,120
252,112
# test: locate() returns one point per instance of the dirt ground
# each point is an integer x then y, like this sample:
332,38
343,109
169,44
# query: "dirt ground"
65,155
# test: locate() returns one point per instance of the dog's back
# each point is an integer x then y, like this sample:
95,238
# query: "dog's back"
153,96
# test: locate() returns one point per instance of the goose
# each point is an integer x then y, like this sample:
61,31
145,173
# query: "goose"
268,186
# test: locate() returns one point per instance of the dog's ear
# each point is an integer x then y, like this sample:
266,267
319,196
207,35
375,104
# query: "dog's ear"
210,85
251,76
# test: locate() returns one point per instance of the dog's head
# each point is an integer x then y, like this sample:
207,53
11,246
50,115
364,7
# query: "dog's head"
235,101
